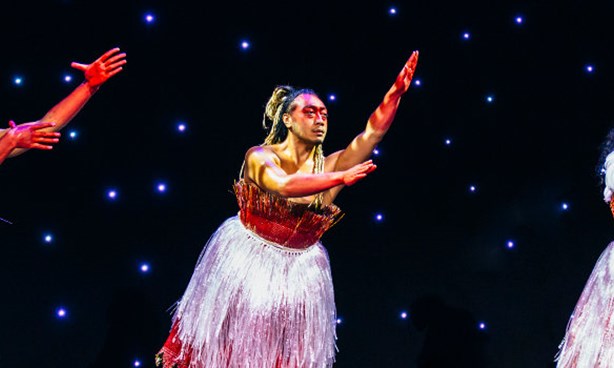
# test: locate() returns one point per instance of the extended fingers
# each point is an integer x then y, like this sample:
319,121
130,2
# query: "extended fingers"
116,65
43,125
45,140
46,134
108,54
410,65
115,58
366,167
109,75
115,68
41,146
109,70
413,60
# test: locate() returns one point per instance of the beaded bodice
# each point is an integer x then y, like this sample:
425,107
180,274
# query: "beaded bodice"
276,219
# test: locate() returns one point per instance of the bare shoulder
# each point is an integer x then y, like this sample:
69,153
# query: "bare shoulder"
255,150
261,154
258,151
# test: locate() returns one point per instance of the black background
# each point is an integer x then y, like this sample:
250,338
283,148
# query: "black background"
441,252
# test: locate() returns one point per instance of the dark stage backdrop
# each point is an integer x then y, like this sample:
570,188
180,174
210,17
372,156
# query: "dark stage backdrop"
521,89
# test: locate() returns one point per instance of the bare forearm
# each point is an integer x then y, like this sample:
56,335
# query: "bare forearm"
300,185
62,113
381,119
363,145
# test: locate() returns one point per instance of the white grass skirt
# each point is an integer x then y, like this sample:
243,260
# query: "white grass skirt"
589,337
253,303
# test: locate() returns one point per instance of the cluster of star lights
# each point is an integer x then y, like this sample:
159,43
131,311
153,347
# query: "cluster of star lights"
113,194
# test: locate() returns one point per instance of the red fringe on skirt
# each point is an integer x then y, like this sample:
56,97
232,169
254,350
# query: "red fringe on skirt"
168,356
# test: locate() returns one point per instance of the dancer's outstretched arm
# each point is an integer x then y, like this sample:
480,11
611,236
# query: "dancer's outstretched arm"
264,170
379,122
362,146
96,74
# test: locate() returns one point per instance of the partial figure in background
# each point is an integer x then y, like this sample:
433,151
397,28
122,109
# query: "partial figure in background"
42,133
589,336
261,294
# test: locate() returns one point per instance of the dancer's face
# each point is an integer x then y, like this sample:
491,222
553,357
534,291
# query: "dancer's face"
308,119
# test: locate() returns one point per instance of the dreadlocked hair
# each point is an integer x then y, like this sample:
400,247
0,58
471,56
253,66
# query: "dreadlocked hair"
318,167
281,102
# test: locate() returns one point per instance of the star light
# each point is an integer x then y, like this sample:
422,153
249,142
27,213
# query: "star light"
112,194
149,18
61,313
161,187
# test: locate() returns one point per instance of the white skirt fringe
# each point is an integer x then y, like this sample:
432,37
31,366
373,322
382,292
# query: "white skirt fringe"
253,303
589,336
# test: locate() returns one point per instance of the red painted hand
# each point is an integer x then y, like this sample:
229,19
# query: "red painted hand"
31,135
105,67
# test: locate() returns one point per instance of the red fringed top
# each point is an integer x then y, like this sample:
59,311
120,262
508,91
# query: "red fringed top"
276,219
612,205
